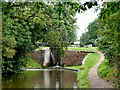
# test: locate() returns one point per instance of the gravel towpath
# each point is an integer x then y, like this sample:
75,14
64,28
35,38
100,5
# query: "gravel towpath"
94,80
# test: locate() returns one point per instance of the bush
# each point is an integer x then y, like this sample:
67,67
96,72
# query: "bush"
103,69
109,73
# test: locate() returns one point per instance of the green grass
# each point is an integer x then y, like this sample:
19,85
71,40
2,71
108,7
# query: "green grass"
32,64
90,61
97,48
41,48
82,48
73,67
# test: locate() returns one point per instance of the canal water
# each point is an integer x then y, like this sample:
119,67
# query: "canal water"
41,79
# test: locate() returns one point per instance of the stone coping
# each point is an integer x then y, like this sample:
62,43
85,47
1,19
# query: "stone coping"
49,69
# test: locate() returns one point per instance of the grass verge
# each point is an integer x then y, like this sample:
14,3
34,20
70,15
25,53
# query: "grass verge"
32,64
82,48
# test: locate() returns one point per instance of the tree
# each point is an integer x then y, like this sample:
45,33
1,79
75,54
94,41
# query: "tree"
109,34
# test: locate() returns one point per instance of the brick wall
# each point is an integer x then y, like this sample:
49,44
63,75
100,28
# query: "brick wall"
73,58
38,56
42,57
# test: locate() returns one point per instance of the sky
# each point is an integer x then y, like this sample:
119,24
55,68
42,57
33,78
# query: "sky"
84,19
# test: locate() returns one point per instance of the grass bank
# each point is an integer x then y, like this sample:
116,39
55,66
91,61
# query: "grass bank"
90,61
82,48
108,73
32,64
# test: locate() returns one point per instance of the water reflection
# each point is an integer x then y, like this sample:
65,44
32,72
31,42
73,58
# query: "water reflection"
41,79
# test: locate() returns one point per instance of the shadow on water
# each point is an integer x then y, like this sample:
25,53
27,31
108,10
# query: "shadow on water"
41,79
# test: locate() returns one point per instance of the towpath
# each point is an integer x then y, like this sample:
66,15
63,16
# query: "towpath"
94,80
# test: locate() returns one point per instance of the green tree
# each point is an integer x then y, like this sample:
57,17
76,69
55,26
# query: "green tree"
109,30
109,34
8,46
23,23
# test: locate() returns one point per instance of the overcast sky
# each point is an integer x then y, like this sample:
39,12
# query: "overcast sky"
84,19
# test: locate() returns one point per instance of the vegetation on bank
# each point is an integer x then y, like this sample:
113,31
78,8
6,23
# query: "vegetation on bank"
32,64
109,73
109,41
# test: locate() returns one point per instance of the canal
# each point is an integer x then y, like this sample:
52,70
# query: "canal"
47,78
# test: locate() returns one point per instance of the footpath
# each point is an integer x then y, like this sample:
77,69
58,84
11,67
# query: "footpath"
94,80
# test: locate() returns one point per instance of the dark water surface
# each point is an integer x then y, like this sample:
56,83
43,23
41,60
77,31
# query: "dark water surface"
41,79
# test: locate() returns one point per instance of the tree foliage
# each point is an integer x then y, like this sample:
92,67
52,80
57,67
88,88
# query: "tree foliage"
109,34
24,23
